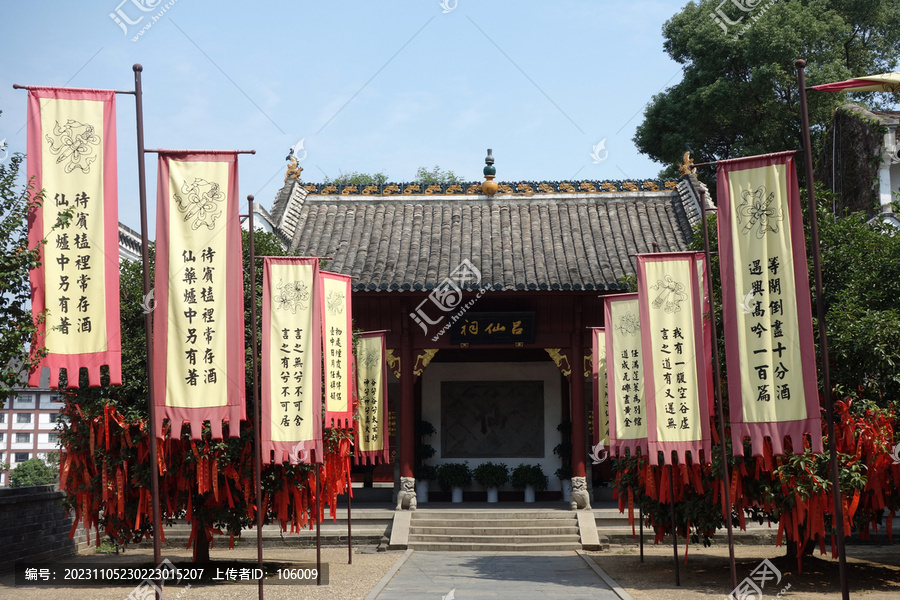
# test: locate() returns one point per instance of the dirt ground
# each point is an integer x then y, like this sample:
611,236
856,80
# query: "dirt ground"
873,572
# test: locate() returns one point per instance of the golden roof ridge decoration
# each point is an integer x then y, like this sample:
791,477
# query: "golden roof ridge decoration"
506,188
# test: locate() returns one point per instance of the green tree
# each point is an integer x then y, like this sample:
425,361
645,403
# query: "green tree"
33,471
17,329
357,178
738,95
436,175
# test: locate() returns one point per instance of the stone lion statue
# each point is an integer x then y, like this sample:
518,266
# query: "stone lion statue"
406,498
580,497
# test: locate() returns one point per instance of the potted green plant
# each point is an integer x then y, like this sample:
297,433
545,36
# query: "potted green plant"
531,478
454,476
424,474
491,476
564,474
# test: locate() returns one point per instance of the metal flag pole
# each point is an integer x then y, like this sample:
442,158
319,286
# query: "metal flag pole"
148,321
718,375
318,530
257,448
671,469
838,520
641,519
349,520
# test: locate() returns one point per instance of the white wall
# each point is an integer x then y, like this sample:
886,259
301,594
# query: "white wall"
546,372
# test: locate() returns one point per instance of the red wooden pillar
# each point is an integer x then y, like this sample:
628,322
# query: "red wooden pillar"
407,400
579,427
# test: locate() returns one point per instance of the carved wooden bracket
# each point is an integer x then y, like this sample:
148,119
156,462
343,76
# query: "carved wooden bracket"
562,362
422,361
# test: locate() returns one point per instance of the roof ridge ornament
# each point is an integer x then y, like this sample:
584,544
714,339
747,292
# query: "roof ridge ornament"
489,187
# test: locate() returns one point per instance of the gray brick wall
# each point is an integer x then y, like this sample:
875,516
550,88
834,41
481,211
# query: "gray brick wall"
34,527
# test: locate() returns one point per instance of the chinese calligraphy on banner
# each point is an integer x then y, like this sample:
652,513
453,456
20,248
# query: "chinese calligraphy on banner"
337,339
676,372
291,402
601,390
72,156
768,318
371,381
625,375
198,333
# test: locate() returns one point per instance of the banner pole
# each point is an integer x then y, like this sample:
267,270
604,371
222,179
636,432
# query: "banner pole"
349,520
718,382
257,449
148,322
641,519
318,530
674,532
838,520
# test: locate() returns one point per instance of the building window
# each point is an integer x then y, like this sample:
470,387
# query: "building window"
2,439
23,438
53,438
52,418
25,400
23,417
2,417
21,457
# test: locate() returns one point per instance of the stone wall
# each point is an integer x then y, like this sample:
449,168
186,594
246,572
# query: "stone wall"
34,527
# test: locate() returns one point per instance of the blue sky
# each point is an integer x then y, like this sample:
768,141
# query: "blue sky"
367,86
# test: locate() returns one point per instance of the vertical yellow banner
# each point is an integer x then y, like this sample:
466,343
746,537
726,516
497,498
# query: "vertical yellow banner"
625,373
370,370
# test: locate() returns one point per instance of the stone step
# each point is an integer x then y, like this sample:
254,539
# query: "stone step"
491,539
494,547
507,523
495,531
493,515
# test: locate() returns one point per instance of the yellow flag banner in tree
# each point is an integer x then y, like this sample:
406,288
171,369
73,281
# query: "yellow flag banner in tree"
769,347
337,340
601,390
72,158
675,365
371,381
625,375
291,405
198,325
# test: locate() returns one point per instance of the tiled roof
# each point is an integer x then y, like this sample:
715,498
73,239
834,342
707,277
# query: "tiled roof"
518,242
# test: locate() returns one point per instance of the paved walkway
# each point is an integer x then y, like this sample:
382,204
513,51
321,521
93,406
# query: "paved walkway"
469,575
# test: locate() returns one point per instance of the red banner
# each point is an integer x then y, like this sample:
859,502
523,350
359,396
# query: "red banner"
766,302
676,364
72,157
371,381
291,361
198,325
625,375
337,341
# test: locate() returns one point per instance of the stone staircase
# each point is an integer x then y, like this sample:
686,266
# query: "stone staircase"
494,530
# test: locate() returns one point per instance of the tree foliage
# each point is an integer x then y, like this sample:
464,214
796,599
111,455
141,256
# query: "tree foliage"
17,329
738,95
436,175
357,178
33,471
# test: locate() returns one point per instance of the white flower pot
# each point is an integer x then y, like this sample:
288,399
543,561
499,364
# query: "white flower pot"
492,495
422,491
566,489
529,493
456,494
